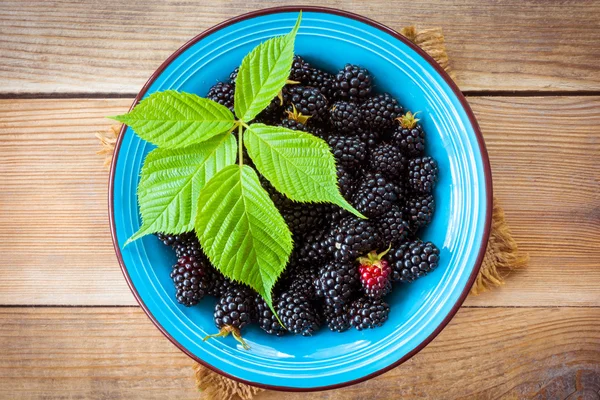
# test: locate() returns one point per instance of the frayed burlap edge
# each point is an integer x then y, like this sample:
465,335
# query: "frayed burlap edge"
502,254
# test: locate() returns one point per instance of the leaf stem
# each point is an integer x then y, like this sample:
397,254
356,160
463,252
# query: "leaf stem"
241,145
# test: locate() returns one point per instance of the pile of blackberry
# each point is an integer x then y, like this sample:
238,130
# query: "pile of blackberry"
342,267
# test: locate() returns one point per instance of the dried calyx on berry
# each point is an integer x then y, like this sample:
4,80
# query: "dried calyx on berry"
375,273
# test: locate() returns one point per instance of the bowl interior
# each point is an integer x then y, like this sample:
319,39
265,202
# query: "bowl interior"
418,310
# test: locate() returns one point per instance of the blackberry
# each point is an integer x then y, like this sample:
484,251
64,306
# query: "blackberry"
336,282
345,116
273,113
279,199
370,138
321,80
336,318
297,122
375,194
353,82
234,310
303,282
392,226
349,151
191,279
300,217
419,210
267,320
297,314
366,313
218,283
307,101
293,125
380,111
388,160
351,238
413,260
336,215
222,93
233,75
422,174
300,69
409,136
187,245
346,182
375,273
311,249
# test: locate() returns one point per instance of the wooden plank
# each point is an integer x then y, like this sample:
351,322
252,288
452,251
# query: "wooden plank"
116,353
55,240
113,46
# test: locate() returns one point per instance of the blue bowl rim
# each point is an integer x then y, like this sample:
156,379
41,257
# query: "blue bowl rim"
483,152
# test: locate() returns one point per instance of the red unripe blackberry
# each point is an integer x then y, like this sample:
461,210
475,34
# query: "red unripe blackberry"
375,274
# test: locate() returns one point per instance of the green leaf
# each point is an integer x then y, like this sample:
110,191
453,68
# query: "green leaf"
298,164
173,119
241,231
171,181
263,73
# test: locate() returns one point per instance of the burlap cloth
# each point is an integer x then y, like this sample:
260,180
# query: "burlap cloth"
501,256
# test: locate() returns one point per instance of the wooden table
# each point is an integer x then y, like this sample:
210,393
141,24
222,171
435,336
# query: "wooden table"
69,326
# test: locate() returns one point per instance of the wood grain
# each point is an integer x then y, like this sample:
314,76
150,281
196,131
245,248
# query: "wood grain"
113,46
116,353
55,241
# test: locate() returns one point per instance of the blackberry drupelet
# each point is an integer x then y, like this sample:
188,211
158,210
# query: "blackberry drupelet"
307,101
388,160
222,93
297,314
233,75
375,273
336,318
419,210
374,194
409,136
380,111
422,174
190,277
353,83
234,310
349,151
336,282
392,227
366,313
351,238
345,117
267,320
413,260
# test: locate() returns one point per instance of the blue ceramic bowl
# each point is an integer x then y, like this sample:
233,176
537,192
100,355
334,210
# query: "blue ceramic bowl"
419,311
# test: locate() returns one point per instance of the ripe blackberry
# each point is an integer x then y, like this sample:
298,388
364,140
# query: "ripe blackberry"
300,69
346,182
279,199
349,151
187,245
336,318
222,93
273,113
233,75
297,314
218,283
311,248
369,137
366,313
306,100
375,273
300,218
422,174
380,111
353,82
409,136
351,238
387,160
419,210
267,320
303,282
191,279
374,194
234,310
392,226
336,215
336,282
321,80
413,260
345,116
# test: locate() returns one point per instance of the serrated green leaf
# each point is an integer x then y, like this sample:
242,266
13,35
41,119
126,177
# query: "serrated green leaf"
173,119
263,73
241,230
298,164
171,182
